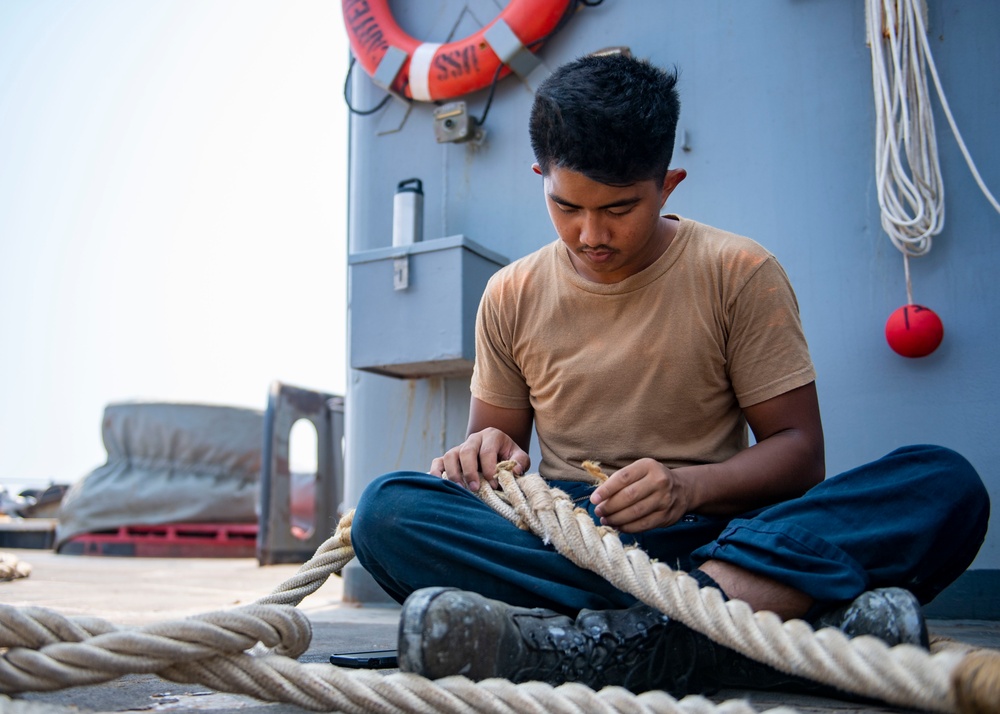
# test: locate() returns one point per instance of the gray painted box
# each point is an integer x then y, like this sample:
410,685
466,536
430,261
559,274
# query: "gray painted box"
413,308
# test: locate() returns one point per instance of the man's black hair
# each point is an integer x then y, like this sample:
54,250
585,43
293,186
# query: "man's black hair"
612,118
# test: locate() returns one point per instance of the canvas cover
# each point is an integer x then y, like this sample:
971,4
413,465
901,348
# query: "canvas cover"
169,463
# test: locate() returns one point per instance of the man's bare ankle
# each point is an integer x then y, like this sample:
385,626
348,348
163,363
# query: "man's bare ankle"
760,592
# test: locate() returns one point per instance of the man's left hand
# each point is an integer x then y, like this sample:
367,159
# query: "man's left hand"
643,495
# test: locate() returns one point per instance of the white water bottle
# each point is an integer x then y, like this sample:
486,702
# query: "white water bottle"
408,213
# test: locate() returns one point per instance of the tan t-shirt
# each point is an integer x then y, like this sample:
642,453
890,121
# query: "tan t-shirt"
657,365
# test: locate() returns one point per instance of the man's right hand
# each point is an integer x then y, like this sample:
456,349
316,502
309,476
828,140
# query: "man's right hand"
477,457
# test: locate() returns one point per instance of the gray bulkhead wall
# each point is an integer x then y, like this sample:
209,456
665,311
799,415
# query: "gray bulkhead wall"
777,136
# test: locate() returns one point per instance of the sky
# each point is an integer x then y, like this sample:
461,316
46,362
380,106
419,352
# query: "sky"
173,184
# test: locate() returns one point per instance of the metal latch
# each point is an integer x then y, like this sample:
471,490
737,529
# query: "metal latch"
401,273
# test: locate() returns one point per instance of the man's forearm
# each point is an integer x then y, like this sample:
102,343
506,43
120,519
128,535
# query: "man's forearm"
783,466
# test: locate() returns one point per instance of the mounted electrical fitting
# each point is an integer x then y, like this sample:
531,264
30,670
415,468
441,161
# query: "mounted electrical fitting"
453,123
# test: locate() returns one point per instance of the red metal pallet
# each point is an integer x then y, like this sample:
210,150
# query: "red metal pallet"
172,540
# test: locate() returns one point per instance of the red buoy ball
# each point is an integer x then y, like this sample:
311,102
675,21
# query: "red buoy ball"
914,331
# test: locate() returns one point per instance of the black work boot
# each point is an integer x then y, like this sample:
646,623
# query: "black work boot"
891,614
445,632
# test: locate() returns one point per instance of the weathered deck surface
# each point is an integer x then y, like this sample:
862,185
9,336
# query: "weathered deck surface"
135,591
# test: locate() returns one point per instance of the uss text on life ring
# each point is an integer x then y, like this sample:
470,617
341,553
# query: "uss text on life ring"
429,71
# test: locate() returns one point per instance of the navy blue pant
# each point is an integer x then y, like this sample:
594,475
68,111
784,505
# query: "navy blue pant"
915,519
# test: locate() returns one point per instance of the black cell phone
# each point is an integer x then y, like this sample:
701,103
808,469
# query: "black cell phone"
370,659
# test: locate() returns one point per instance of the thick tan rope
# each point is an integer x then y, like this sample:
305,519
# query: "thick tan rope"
905,675
48,651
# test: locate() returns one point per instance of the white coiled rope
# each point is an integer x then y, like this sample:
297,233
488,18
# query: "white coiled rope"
907,170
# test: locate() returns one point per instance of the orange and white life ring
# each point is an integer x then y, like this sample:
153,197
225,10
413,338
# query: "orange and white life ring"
430,71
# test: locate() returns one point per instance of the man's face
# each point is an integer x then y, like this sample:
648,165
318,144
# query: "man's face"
612,232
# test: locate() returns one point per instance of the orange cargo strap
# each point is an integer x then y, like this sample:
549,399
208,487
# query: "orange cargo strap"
430,71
